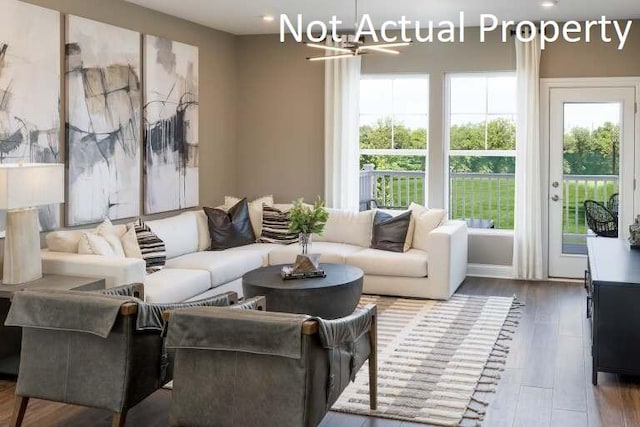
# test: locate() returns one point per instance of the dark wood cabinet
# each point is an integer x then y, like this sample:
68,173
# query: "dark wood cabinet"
613,306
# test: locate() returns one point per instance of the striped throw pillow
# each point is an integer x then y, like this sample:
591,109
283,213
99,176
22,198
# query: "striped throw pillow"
151,247
275,227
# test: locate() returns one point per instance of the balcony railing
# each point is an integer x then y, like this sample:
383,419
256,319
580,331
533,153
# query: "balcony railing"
487,196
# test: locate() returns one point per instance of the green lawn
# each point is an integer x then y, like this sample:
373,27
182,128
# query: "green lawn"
490,198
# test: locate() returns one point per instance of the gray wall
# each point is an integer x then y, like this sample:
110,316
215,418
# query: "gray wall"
595,59
298,134
217,74
280,113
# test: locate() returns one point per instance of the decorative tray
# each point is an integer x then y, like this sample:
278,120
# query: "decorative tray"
287,273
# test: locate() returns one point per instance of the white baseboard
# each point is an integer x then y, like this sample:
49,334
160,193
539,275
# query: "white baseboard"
490,270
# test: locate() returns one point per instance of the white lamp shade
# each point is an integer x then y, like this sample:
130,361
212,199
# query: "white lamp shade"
31,184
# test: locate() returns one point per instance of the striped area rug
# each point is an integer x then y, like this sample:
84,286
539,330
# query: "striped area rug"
433,357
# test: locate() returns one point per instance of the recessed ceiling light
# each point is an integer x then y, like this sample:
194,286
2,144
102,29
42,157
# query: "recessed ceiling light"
549,3
268,18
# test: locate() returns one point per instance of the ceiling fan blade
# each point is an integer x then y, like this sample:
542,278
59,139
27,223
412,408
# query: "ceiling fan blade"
380,49
388,45
331,48
327,58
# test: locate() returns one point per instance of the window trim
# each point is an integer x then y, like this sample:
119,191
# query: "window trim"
483,153
447,138
394,152
426,152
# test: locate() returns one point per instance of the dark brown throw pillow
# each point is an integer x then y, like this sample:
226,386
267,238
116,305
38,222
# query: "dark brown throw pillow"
389,232
231,228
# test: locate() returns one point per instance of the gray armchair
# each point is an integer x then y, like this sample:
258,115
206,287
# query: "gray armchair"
252,368
103,350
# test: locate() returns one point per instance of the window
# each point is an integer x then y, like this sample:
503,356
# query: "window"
482,143
393,140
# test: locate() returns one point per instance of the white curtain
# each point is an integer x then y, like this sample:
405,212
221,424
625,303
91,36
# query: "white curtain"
341,130
527,245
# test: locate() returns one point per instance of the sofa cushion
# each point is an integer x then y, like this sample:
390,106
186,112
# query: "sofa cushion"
255,210
66,241
204,239
275,227
223,266
112,235
412,263
151,247
395,212
92,244
179,234
262,249
425,221
390,232
175,285
329,252
130,244
229,229
353,228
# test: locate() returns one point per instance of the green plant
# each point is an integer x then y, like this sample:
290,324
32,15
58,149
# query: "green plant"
308,219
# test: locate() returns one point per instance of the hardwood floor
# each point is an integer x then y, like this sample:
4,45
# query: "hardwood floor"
546,381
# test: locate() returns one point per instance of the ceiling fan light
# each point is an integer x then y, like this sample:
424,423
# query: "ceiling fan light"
387,45
327,58
327,47
380,49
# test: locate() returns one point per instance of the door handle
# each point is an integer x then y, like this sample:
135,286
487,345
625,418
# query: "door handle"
556,198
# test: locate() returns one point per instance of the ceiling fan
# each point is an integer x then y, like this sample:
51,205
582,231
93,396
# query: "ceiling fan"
349,46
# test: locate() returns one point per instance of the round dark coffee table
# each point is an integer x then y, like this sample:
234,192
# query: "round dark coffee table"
330,297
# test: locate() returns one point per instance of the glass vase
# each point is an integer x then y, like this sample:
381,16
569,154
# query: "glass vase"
304,240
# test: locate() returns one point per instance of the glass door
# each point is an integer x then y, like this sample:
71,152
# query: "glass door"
591,171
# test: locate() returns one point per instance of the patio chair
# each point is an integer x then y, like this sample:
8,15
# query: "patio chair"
102,350
613,203
600,219
237,368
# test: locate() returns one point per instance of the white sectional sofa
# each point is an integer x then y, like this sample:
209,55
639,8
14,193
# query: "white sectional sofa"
192,272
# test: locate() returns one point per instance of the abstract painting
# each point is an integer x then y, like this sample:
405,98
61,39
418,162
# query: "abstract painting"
103,121
30,91
171,125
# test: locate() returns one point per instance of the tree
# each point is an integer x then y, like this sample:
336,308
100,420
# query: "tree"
592,152
586,152
607,139
386,134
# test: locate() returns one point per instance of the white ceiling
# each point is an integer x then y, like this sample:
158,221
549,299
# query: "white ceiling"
244,16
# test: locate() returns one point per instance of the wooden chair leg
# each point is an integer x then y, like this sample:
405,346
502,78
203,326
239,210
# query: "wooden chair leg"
373,363
19,409
119,419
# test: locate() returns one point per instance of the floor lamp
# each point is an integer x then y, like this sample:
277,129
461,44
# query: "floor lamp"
23,187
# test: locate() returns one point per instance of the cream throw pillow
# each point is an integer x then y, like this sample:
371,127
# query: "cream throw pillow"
353,228
92,244
425,221
130,244
64,241
409,239
112,235
255,210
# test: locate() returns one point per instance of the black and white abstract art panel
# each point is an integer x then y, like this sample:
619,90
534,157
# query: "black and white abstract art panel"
171,125
30,91
103,121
